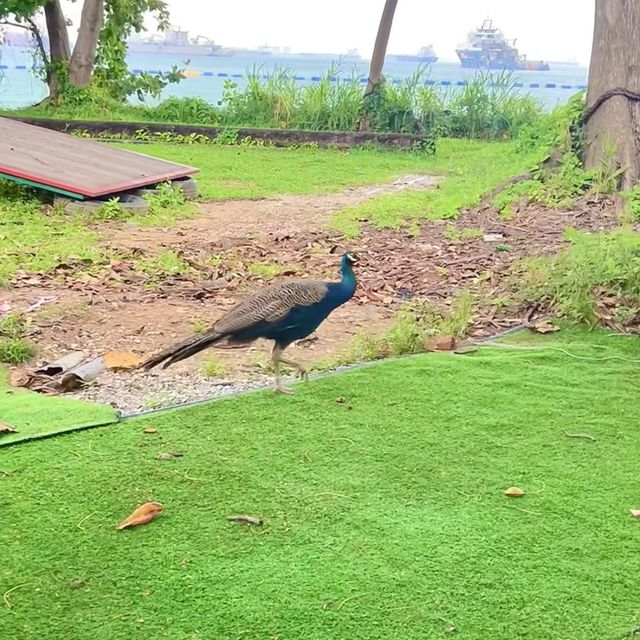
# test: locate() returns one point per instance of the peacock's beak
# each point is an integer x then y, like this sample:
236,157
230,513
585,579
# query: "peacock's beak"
353,259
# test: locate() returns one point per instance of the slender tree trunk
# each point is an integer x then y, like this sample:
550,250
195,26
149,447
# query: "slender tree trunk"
612,133
84,52
377,61
380,47
59,49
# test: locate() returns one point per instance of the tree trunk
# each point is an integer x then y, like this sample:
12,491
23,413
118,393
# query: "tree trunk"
380,47
84,52
59,49
612,133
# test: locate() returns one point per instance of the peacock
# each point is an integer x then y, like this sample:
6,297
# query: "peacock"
283,312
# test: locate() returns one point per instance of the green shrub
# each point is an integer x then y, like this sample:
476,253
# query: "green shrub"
599,266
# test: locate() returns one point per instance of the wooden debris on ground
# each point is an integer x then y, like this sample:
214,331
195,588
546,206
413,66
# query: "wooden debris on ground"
72,371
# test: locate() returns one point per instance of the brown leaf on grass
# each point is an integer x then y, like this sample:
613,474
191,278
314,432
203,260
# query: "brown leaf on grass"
143,514
635,513
441,343
121,360
150,430
544,327
514,492
5,428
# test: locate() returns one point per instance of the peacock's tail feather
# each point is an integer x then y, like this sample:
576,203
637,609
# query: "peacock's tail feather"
182,350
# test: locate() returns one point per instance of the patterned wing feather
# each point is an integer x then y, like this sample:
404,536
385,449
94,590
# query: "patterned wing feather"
271,304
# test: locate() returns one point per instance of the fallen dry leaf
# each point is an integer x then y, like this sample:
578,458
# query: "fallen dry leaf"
121,360
514,492
635,513
247,519
18,378
150,430
169,455
5,428
441,343
544,327
143,514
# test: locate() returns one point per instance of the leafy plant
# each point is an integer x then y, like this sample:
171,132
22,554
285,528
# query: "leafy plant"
163,266
632,198
15,349
213,367
415,324
265,269
165,198
596,266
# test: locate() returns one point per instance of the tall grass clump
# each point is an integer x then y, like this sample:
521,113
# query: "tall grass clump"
268,100
332,104
184,111
489,106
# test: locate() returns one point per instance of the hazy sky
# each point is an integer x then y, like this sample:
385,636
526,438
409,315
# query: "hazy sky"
547,29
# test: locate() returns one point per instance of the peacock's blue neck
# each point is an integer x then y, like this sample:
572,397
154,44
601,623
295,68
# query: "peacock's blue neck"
341,292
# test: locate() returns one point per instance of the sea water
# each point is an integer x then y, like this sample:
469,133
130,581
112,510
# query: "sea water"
19,86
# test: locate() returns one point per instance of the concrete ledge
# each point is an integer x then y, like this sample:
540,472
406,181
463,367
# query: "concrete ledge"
277,137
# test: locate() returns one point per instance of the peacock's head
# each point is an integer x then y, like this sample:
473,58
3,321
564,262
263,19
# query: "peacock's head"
349,259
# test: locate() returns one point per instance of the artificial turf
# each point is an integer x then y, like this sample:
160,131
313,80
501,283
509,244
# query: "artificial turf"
34,414
384,514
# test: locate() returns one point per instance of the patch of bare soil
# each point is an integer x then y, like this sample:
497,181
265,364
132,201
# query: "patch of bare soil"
119,310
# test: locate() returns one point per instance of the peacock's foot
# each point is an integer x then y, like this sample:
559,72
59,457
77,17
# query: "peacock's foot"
303,374
279,388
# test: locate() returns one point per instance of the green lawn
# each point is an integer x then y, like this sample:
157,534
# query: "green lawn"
384,515
237,172
33,414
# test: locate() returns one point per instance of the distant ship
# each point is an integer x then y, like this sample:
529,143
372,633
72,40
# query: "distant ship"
425,55
572,62
177,43
487,48
351,55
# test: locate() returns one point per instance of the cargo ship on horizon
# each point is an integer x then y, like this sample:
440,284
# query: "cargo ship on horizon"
425,55
487,48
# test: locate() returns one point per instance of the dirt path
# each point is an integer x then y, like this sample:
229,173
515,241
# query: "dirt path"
259,219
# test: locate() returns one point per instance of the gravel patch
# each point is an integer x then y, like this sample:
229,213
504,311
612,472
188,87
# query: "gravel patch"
131,393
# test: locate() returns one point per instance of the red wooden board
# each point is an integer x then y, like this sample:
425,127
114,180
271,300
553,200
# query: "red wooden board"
77,165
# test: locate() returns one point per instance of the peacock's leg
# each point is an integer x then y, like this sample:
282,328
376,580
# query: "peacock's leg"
302,371
276,357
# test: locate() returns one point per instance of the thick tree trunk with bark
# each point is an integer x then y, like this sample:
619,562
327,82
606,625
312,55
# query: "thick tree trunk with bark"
59,48
612,133
84,52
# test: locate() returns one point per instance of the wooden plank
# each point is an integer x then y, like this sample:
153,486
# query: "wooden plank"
77,165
